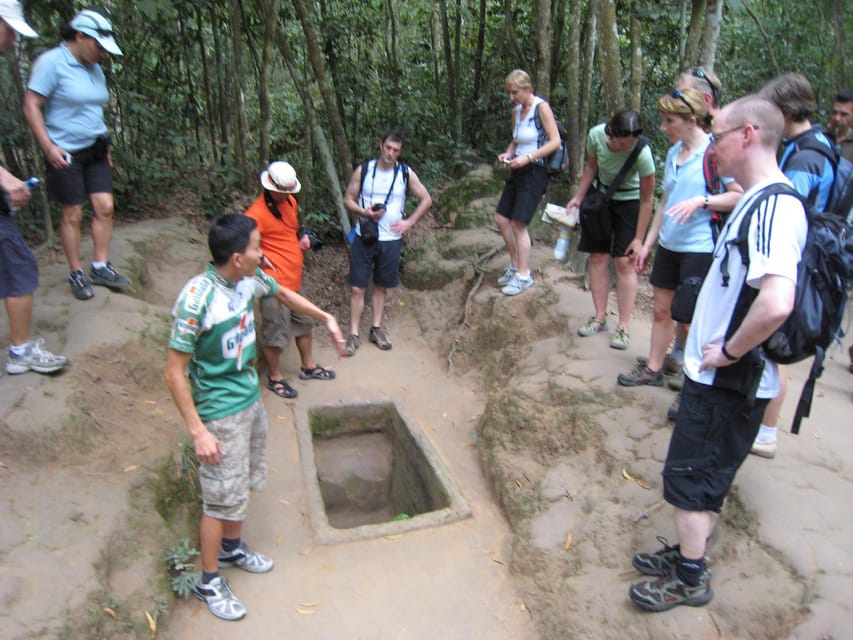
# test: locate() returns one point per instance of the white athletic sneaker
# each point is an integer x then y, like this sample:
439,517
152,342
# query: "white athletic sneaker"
35,359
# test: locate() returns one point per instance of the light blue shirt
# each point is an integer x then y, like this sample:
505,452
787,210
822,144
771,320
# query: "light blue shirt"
75,95
681,182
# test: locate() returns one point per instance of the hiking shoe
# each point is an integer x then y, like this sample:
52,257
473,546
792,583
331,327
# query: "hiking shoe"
640,375
593,325
667,592
675,382
621,340
108,277
764,449
517,285
507,277
219,598
660,563
377,336
670,366
35,359
353,343
672,412
246,559
81,287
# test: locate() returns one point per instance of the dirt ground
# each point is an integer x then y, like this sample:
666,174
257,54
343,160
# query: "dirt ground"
529,422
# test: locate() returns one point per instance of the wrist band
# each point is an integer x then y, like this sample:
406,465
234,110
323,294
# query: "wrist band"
707,201
727,355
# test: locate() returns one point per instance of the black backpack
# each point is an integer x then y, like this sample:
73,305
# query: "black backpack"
558,161
824,275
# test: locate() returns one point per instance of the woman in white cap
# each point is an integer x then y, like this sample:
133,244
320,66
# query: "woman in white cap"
64,106
282,242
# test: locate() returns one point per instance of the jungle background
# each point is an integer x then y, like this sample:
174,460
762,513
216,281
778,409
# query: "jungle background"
208,92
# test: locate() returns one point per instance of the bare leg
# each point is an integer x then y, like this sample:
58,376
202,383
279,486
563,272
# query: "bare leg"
102,225
505,227
212,530
272,355
599,282
663,327
773,410
378,303
303,346
20,312
522,247
626,289
69,231
693,529
356,308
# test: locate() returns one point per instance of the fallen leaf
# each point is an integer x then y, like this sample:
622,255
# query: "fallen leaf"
282,417
309,604
3,464
306,551
306,612
818,435
519,484
396,536
283,501
626,475
643,484
152,624
132,467
110,612
279,540
568,543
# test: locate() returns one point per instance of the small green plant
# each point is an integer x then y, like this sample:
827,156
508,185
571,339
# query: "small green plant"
181,567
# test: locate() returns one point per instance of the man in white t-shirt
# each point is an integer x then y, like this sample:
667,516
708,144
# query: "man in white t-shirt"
720,414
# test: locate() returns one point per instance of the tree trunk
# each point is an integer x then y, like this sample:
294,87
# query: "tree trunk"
542,72
269,10
695,29
711,35
454,113
841,13
636,97
608,50
327,92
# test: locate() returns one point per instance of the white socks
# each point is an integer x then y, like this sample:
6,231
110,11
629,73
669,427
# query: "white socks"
766,434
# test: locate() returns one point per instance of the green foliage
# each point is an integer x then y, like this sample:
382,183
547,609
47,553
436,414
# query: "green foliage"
182,569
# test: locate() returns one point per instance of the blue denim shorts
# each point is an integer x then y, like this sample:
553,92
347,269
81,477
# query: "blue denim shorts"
382,257
19,271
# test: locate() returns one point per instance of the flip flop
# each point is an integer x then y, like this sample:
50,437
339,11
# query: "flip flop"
317,373
281,388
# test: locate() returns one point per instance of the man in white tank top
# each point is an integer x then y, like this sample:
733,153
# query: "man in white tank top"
376,194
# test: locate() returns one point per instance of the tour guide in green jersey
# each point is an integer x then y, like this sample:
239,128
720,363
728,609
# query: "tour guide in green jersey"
213,335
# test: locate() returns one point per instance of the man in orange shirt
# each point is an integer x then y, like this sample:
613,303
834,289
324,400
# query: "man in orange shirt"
282,243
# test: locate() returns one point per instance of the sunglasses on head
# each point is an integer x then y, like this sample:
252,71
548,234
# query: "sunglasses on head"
680,96
698,73
614,133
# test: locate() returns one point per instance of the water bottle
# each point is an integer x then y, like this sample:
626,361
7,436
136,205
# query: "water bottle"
561,250
30,182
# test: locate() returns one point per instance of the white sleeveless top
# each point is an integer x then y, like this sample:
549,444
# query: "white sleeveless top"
524,133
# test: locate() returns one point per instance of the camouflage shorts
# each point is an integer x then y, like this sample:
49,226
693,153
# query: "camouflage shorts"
243,468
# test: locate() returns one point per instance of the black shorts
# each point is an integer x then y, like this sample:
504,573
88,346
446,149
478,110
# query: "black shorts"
713,434
88,173
623,221
522,192
382,257
19,272
671,268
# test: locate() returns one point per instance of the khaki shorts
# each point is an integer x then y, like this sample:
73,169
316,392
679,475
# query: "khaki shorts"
243,467
279,324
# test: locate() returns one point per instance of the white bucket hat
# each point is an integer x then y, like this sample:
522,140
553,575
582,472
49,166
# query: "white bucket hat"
280,177
13,13
96,26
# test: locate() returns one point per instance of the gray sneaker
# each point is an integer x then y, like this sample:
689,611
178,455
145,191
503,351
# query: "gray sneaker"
377,336
246,559
640,375
517,285
508,275
108,277
35,359
81,287
219,598
666,592
353,343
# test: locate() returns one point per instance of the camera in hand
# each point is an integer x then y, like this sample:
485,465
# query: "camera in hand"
377,206
313,238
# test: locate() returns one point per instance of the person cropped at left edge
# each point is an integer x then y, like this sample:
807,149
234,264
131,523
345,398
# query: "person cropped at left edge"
283,240
18,267
64,107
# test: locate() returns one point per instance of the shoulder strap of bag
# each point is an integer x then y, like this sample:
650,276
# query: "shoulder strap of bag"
629,163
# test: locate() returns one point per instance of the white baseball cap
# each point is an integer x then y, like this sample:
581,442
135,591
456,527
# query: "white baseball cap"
96,26
280,177
13,13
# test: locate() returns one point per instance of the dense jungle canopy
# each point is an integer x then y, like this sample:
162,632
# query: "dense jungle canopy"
209,91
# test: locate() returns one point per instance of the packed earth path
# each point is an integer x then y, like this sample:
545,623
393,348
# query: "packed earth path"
82,541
